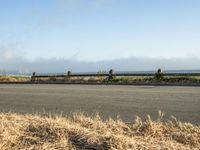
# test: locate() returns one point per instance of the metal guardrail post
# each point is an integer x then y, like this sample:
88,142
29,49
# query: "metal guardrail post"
69,73
33,77
111,73
68,76
159,74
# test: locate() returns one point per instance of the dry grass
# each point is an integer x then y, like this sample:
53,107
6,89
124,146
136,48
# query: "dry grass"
97,79
34,132
165,79
13,79
80,79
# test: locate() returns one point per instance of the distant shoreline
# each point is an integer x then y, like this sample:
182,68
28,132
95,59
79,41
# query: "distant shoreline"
10,73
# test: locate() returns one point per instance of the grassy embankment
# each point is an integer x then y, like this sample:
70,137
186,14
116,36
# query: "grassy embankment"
14,79
166,79
136,79
80,132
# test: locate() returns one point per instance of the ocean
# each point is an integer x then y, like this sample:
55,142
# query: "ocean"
15,73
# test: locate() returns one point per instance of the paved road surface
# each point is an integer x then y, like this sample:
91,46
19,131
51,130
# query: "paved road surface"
109,100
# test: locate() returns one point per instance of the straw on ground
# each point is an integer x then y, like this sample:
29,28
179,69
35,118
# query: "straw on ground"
19,131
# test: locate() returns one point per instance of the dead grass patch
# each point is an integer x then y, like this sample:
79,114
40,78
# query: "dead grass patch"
34,132
13,79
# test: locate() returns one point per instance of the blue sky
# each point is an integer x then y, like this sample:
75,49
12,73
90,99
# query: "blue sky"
96,30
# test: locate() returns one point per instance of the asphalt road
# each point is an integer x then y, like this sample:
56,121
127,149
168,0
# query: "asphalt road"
108,100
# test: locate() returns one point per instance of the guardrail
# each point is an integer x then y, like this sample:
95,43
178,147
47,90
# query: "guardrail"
110,75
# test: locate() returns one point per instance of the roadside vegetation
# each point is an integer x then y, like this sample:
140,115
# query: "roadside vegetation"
14,79
128,79
34,132
158,77
165,79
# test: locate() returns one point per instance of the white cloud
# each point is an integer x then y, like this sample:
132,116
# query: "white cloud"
128,64
7,55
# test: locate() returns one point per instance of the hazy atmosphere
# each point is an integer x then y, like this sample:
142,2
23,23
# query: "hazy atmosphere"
93,35
100,74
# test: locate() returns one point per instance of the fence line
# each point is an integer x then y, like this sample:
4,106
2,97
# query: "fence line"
111,74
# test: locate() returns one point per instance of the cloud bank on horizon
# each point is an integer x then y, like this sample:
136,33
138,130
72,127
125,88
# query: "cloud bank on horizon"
10,62
81,35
